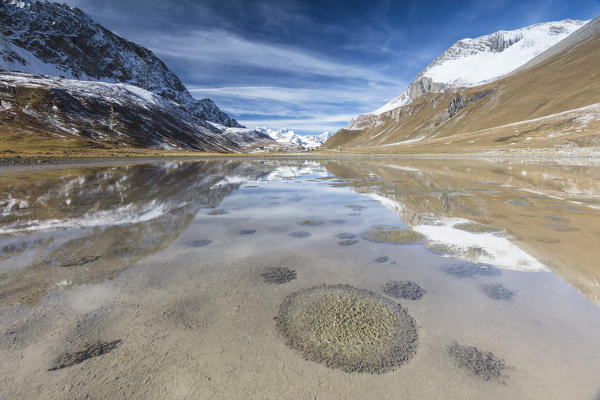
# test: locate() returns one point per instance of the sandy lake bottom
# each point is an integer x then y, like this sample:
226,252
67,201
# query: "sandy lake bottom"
301,279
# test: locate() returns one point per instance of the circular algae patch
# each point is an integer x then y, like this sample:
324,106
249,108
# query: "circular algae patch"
351,329
396,236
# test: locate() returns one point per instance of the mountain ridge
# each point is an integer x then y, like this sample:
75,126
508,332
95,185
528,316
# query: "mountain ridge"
56,39
450,69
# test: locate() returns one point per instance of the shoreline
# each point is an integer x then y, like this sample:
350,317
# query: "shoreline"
27,163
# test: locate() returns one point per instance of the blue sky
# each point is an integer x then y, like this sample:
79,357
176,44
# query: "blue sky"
310,65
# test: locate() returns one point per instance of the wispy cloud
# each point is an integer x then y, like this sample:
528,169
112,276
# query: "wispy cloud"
217,47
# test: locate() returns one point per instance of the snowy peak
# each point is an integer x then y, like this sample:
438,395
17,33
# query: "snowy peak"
290,139
40,37
472,62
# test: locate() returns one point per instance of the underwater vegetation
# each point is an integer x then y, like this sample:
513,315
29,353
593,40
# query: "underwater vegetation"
312,222
299,234
395,236
346,328
80,261
497,291
477,228
404,290
468,270
278,275
88,351
484,365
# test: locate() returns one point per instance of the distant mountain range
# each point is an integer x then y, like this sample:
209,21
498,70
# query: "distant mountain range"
535,87
288,139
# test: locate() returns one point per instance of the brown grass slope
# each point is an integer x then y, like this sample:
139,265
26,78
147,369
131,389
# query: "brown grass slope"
449,121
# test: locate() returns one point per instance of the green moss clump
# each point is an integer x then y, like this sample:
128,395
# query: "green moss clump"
474,227
397,236
351,329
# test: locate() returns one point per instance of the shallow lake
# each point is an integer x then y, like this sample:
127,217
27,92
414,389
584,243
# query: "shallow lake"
301,279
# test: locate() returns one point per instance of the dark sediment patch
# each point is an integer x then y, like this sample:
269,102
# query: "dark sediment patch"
312,222
80,261
497,291
404,290
381,259
217,212
521,203
278,275
351,329
345,235
247,231
199,243
469,270
477,228
299,234
407,290
348,242
89,351
337,221
484,365
394,236
560,227
355,207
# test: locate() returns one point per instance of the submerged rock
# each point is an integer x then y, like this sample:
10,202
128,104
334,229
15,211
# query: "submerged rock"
381,259
348,242
351,329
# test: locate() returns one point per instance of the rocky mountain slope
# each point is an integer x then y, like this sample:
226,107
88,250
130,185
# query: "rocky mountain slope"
551,100
40,37
108,115
472,62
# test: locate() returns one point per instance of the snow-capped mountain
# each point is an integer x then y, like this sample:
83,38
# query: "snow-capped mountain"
290,139
472,62
111,114
40,37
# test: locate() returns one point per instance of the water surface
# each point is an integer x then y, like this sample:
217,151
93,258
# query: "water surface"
154,275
